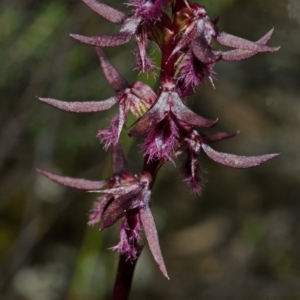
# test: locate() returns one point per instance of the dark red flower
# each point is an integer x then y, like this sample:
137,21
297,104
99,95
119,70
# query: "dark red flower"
197,141
163,122
127,196
197,31
136,98
145,15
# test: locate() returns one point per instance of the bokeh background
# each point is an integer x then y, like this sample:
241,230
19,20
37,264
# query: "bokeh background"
239,241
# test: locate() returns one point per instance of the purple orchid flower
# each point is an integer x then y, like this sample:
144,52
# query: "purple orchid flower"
197,141
127,196
136,98
195,56
163,122
146,14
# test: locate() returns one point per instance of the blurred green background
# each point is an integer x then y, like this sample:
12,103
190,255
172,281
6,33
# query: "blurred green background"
239,241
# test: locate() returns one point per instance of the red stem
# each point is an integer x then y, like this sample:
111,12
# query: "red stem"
124,278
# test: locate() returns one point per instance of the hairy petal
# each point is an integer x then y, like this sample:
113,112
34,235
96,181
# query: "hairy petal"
149,10
191,73
152,238
190,170
116,81
236,161
128,238
75,183
81,107
107,12
142,61
99,207
110,135
162,140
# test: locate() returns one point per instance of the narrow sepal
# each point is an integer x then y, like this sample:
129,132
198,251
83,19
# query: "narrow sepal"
114,78
229,40
107,12
75,183
236,161
117,209
104,40
237,55
186,115
240,54
204,52
81,107
152,238
127,31
263,40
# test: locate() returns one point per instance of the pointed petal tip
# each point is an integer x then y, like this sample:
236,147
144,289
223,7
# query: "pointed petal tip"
236,161
42,99
276,48
273,155
165,274
152,238
74,36
41,171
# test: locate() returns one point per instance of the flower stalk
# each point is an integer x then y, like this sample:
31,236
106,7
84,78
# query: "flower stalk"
183,32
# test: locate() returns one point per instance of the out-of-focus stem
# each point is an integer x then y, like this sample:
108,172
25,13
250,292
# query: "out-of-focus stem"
124,277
